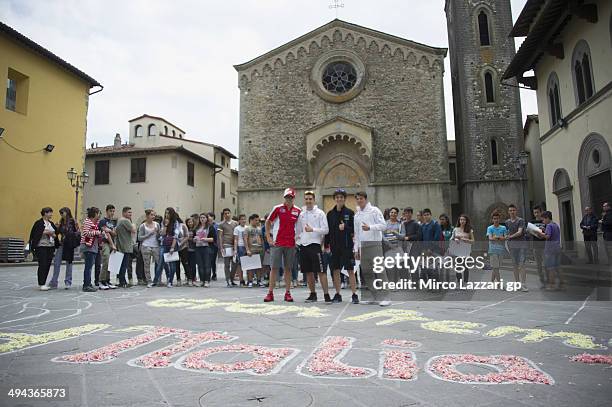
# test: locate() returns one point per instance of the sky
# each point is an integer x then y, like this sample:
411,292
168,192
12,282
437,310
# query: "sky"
175,59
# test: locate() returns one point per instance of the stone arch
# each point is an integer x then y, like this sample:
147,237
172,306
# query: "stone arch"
424,63
398,53
278,63
374,46
342,171
313,47
361,145
302,52
500,207
337,35
361,43
267,69
411,59
290,57
254,73
594,166
385,51
325,41
349,39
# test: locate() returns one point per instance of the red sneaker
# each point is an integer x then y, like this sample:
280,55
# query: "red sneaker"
288,297
270,297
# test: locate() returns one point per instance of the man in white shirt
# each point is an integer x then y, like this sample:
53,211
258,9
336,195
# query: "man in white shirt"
369,226
311,229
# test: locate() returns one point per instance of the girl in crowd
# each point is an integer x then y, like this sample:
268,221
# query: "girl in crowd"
68,231
391,241
463,232
148,233
43,241
192,222
203,238
90,245
183,251
172,219
169,244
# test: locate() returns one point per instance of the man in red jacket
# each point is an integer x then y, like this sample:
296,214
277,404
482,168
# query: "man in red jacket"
280,234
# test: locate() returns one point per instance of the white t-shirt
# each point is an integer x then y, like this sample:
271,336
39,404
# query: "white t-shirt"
240,231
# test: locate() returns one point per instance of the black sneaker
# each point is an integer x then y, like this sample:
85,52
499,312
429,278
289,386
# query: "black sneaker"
242,283
312,297
233,283
214,277
355,299
124,285
337,298
328,300
89,289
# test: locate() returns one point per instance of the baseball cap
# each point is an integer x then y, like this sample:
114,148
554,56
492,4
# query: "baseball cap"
340,191
289,192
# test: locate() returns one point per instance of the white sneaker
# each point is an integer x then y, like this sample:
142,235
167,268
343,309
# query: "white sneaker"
67,286
524,289
169,285
149,285
44,288
103,286
111,286
205,284
384,303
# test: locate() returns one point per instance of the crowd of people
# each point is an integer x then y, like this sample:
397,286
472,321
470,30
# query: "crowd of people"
289,238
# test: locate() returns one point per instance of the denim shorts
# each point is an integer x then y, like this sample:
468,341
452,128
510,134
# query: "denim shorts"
518,256
240,253
552,260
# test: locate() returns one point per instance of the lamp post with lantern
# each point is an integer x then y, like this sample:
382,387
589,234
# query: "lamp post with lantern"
77,181
520,165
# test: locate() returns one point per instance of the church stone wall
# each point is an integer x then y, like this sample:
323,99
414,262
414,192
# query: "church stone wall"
402,101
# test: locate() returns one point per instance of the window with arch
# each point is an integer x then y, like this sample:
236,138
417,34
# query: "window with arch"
173,133
165,130
582,72
152,130
138,131
483,28
488,87
554,104
494,152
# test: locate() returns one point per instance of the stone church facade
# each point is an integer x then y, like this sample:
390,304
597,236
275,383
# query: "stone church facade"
344,106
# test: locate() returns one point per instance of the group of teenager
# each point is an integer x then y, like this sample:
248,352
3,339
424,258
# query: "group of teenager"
340,241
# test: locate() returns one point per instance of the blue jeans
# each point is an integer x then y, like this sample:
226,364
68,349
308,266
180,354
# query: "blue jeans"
124,266
57,264
90,259
169,267
202,254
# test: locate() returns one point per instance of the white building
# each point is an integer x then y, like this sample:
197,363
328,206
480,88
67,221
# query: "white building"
568,46
158,168
152,131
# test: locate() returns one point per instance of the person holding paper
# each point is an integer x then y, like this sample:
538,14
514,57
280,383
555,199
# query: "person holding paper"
339,243
90,244
310,231
254,246
169,246
369,225
240,249
126,232
463,234
226,241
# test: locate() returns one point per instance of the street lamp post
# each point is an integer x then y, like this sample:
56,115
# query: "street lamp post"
77,181
520,164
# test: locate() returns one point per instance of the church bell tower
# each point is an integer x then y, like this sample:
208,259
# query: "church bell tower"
487,113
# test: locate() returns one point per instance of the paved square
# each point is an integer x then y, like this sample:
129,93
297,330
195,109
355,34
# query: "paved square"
187,346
